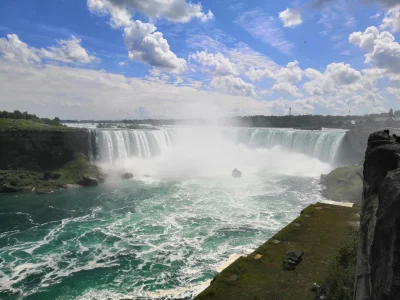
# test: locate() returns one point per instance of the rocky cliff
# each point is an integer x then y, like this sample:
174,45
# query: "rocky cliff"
44,160
378,259
354,145
42,150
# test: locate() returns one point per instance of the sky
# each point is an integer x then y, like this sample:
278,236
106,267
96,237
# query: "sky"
136,59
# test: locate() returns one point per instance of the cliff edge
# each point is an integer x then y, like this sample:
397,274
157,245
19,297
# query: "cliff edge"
42,158
378,258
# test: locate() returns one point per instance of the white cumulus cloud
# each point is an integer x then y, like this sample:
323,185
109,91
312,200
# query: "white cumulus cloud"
392,19
335,78
121,11
381,48
233,85
286,88
12,48
120,16
290,17
290,73
147,45
67,51
50,94
223,66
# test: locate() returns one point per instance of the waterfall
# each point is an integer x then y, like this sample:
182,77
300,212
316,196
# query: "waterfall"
323,144
120,144
116,145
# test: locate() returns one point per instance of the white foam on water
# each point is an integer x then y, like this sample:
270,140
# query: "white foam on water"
232,258
169,233
345,204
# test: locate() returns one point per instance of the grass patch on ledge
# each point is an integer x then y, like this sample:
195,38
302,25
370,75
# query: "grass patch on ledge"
320,231
27,125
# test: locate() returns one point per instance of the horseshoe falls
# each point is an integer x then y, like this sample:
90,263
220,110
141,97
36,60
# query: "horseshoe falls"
122,144
167,231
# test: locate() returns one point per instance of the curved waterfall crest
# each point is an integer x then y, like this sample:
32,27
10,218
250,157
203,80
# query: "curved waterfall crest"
113,145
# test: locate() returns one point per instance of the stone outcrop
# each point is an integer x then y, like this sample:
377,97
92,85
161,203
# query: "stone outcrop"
127,176
45,161
236,173
291,259
378,259
89,181
354,145
343,184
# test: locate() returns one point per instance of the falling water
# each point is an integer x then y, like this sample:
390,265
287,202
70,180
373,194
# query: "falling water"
168,232
116,145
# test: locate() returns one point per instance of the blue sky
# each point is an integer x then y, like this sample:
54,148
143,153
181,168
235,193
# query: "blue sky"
173,58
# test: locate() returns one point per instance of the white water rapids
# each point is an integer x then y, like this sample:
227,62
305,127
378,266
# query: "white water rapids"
189,152
168,234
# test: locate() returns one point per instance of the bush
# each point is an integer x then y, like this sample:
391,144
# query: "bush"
17,115
339,283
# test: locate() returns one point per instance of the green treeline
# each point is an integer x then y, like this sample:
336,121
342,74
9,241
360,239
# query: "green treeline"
303,122
17,115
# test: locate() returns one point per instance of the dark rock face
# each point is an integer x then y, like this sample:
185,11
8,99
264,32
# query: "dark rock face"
378,259
51,175
42,150
44,191
354,144
127,176
10,189
236,173
89,181
292,258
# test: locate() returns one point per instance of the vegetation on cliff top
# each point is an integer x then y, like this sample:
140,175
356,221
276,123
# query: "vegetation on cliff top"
17,115
21,124
339,283
319,231
125,126
302,121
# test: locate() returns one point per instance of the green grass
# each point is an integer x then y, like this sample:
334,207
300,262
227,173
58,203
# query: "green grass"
339,282
320,236
76,168
14,124
344,184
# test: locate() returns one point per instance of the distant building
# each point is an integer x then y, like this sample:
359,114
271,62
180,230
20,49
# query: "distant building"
388,121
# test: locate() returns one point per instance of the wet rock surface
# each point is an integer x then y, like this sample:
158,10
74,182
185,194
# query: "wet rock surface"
89,181
378,259
127,176
292,258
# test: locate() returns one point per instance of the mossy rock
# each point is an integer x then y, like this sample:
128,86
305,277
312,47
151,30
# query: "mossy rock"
343,184
70,174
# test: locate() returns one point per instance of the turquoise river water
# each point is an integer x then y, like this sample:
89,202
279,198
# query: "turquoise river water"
168,230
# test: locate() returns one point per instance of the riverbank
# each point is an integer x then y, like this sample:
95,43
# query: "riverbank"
42,158
75,173
344,184
319,232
